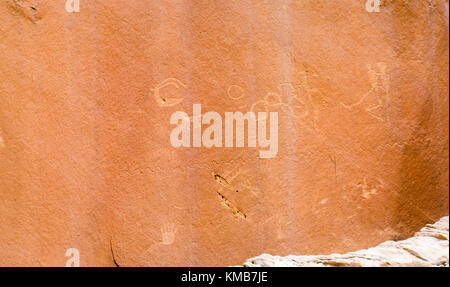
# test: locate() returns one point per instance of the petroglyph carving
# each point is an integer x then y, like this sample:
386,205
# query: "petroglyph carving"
222,181
169,93
240,176
300,101
395,146
168,233
236,180
249,186
236,210
168,236
375,102
236,92
367,187
27,8
309,102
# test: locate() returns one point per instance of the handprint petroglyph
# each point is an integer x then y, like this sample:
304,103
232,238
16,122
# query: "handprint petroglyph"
168,236
168,233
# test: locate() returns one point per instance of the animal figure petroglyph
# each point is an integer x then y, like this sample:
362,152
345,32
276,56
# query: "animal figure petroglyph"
300,101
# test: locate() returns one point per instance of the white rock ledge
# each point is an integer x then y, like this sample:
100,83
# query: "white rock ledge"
428,247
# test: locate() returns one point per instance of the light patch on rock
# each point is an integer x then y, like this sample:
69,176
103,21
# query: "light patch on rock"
2,141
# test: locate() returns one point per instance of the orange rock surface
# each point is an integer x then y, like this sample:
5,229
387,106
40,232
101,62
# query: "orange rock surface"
86,100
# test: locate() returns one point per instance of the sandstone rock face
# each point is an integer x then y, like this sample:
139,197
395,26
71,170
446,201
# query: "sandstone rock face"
427,248
86,98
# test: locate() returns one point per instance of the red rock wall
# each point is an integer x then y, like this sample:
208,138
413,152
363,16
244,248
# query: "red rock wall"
85,106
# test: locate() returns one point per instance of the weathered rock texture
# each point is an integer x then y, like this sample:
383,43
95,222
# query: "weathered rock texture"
428,247
85,104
